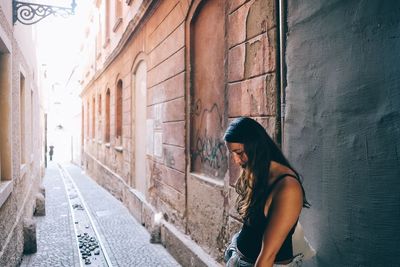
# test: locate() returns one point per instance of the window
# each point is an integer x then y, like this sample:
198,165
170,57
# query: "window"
99,107
94,118
6,185
99,38
82,125
118,110
99,127
118,9
87,121
108,108
31,123
5,123
118,14
22,118
106,23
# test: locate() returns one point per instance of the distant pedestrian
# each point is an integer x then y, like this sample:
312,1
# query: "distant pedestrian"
270,199
51,152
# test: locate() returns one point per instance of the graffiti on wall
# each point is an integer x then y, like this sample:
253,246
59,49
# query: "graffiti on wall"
210,151
207,147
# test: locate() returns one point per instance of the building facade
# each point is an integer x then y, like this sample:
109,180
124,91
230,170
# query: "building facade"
162,79
21,134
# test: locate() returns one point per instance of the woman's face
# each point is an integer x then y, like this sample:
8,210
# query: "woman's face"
238,154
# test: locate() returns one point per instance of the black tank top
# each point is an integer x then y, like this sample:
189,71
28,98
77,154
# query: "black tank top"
250,237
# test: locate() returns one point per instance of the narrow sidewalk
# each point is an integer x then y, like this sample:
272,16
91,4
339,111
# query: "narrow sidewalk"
125,240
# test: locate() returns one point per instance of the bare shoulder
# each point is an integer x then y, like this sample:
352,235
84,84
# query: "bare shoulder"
289,189
286,196
288,182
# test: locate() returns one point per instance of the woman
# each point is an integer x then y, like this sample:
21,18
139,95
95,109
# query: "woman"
270,199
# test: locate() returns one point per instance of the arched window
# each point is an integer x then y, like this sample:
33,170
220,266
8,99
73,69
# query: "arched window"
108,108
118,110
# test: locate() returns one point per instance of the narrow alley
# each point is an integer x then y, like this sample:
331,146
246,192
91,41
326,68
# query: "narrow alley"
114,117
122,241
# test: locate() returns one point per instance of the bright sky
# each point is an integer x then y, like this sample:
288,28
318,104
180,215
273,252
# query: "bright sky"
59,40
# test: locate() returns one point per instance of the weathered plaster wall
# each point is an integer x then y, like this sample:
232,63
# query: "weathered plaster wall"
159,43
251,77
179,44
343,126
25,178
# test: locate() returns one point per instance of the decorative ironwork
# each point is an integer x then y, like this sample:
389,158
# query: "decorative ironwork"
31,13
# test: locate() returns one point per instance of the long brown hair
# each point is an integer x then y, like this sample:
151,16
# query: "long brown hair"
252,184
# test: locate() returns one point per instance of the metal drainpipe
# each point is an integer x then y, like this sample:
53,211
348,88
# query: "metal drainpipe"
282,71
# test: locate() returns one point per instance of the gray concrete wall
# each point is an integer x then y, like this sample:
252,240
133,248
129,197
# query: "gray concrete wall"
342,126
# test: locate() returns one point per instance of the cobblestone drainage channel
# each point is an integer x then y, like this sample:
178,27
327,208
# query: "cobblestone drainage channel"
91,250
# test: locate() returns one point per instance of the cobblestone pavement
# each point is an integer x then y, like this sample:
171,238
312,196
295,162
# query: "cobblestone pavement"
54,232
125,240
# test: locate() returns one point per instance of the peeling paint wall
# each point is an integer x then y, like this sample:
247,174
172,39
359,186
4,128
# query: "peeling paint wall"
342,126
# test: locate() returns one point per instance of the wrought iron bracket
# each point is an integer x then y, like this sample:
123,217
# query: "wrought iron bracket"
31,13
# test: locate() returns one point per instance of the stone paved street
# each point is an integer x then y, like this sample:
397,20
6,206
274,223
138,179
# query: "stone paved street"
125,240
56,241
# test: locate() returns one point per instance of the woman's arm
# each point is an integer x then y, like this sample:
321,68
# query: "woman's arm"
285,208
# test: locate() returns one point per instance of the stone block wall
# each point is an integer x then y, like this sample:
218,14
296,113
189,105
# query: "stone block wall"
193,90
340,100
252,86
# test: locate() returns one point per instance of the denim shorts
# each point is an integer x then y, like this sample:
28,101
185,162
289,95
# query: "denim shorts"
234,258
